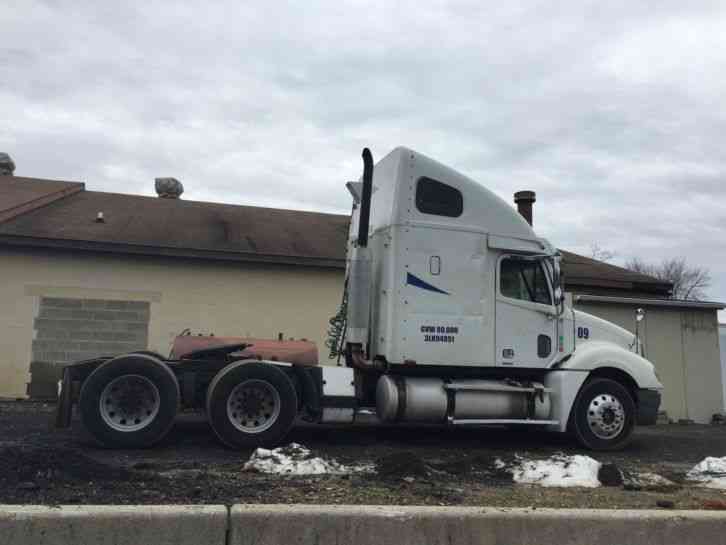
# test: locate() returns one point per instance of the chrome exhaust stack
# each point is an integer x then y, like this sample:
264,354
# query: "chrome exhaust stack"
359,274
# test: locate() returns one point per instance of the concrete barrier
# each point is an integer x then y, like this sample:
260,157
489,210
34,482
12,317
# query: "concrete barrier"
364,525
113,525
352,525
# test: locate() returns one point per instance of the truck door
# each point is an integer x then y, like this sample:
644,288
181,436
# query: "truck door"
526,323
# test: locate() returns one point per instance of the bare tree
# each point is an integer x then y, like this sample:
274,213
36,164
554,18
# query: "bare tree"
689,282
600,253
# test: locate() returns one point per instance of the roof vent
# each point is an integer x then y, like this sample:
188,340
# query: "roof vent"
7,166
168,188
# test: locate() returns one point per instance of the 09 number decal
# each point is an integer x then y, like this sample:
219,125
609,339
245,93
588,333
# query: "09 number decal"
583,332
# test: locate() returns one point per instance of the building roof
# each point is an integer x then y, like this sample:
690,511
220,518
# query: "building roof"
586,272
57,214
19,195
154,226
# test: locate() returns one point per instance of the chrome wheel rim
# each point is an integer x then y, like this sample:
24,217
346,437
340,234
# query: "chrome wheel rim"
253,406
129,403
606,416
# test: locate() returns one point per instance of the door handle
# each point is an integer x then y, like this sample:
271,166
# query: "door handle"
435,265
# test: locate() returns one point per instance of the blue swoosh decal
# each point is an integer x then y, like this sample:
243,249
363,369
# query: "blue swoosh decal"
413,280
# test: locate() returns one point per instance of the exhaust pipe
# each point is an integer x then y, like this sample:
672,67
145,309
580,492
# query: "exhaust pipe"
358,359
359,276
365,206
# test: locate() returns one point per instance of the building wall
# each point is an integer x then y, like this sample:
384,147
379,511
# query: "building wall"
683,344
227,299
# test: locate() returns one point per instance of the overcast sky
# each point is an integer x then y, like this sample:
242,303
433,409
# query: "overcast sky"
613,112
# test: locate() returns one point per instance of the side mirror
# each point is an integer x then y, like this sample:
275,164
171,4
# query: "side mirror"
639,315
559,296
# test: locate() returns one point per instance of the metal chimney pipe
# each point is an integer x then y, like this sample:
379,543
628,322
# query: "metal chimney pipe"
525,200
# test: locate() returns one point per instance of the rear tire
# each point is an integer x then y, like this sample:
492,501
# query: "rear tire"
251,404
603,415
130,401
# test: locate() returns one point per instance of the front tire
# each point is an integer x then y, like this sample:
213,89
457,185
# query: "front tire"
130,401
251,404
603,416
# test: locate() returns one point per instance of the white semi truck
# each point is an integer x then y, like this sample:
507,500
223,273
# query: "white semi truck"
453,314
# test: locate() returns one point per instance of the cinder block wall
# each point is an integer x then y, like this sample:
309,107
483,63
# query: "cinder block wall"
68,330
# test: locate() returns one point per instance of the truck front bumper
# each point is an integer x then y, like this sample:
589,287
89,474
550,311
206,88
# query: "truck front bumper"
648,403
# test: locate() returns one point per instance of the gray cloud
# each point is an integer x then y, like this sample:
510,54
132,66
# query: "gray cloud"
611,111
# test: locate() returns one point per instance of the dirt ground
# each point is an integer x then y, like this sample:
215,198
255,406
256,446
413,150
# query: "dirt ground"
416,466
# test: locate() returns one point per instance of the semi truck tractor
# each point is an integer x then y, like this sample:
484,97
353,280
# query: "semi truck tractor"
453,313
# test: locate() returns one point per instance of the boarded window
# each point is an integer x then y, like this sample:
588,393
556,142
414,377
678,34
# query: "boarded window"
525,280
439,199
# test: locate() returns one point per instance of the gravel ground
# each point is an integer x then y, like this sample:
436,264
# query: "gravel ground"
416,466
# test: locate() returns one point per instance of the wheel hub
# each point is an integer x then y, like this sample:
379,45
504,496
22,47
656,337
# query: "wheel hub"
253,406
606,416
129,403
252,402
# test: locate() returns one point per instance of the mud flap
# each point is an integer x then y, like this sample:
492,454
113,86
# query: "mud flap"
648,403
65,401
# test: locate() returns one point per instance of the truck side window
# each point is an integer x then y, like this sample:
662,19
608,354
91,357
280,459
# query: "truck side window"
433,197
524,279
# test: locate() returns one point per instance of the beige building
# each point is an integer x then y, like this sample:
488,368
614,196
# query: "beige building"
681,338
85,273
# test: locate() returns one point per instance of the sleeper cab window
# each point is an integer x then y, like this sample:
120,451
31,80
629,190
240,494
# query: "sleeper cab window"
439,199
525,280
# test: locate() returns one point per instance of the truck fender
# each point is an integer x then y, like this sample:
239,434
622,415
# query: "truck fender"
594,355
567,379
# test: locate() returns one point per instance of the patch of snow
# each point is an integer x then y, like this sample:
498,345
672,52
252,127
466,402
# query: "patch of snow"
710,472
499,463
558,471
295,459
